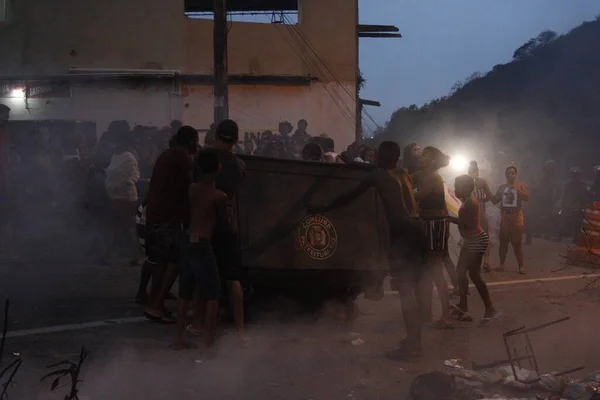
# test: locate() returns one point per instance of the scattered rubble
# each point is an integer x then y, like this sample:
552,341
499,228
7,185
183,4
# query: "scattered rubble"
491,383
507,379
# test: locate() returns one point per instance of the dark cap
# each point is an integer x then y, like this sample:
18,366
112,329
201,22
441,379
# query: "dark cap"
227,131
118,127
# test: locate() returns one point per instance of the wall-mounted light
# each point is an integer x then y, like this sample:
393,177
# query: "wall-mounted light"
17,93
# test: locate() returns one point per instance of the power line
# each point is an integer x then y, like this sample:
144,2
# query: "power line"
347,111
316,68
371,118
313,66
316,54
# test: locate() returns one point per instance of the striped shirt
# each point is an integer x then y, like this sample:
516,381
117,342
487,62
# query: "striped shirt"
477,243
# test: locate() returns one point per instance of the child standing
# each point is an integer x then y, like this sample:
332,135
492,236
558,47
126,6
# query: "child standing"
199,269
475,243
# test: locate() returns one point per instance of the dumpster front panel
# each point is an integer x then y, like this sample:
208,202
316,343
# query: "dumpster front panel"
277,233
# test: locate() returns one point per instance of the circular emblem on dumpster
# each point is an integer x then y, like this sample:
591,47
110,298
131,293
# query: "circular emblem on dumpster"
317,237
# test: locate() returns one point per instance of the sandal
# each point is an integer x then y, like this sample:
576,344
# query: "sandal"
162,319
490,316
487,268
460,314
193,331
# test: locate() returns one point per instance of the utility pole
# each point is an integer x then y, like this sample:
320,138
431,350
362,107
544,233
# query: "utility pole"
221,96
358,106
369,31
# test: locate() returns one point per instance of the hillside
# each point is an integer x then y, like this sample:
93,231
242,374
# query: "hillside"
545,103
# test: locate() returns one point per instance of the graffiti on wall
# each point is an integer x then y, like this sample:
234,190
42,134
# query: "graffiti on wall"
254,136
252,139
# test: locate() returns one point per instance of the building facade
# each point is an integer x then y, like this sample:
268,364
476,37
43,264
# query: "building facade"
146,62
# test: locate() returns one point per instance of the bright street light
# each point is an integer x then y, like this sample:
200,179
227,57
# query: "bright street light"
17,93
459,163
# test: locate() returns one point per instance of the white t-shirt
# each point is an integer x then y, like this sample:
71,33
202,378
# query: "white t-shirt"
122,174
330,156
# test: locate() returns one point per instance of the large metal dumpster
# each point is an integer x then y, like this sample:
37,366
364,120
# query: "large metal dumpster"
336,255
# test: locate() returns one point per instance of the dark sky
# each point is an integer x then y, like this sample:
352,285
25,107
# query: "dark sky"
447,40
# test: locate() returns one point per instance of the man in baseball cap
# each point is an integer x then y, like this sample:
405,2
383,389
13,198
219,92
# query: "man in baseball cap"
228,133
225,239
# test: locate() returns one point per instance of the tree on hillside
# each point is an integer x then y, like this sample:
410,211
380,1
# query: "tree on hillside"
546,37
456,87
460,84
551,88
532,46
525,50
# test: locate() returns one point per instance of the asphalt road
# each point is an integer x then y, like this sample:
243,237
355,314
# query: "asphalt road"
58,308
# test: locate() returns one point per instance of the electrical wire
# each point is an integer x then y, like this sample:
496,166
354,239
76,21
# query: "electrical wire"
314,67
371,118
304,43
331,72
317,63
316,54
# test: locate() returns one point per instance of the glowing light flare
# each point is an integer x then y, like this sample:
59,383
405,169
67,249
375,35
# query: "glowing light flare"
459,163
17,93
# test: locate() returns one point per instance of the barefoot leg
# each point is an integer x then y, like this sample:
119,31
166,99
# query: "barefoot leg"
182,309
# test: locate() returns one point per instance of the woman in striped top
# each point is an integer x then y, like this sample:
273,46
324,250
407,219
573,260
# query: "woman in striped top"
483,194
475,244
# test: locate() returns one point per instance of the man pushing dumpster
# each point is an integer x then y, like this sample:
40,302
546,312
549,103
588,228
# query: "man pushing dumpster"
408,244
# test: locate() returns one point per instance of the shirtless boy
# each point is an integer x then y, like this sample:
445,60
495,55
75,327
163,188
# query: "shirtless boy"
199,269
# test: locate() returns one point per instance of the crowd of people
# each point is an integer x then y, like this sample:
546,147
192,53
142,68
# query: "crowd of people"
287,145
163,201
187,230
415,203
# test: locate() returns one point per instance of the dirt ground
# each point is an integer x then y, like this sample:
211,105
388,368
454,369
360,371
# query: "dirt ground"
301,359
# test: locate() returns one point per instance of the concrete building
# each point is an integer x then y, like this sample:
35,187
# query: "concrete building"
147,62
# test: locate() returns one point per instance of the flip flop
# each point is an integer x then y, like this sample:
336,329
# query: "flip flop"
491,318
194,332
460,314
161,319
